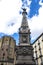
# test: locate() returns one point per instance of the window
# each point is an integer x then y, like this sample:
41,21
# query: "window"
40,56
7,49
2,49
35,46
42,37
39,48
3,54
10,50
38,42
35,51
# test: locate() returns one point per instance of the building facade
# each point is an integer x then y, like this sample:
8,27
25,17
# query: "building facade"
38,50
7,53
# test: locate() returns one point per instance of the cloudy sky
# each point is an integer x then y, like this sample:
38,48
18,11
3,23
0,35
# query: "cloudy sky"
11,17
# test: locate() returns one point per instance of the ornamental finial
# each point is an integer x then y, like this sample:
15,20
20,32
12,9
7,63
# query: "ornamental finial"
24,11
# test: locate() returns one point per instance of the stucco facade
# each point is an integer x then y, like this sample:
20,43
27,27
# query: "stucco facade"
38,49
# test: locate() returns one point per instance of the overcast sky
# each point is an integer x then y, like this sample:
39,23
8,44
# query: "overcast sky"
11,17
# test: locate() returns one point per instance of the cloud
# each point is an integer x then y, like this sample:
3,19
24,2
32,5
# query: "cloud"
26,3
36,23
34,8
16,24
9,11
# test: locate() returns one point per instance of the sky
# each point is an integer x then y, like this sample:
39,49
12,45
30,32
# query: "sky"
11,17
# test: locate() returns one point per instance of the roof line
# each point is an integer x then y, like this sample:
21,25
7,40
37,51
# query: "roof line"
37,38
